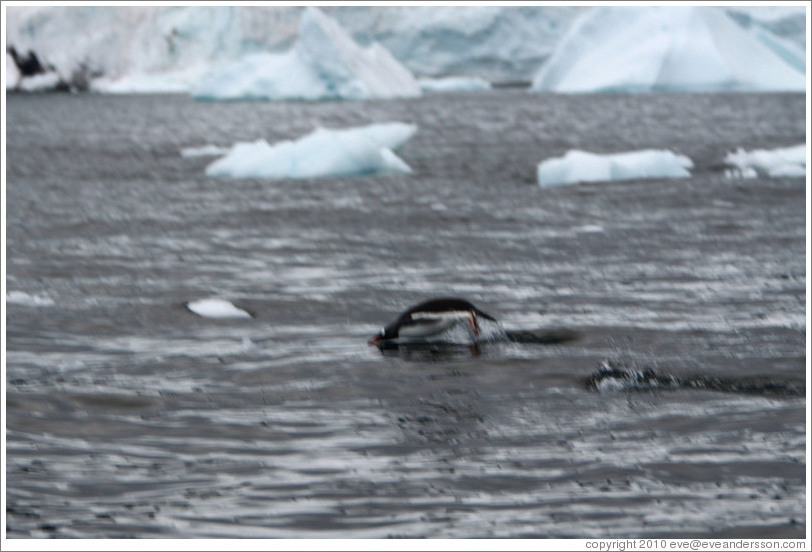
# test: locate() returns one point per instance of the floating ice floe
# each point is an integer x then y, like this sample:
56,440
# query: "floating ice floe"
581,166
454,84
216,308
788,162
366,150
652,49
325,63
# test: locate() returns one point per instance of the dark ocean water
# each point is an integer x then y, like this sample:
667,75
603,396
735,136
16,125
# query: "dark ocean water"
679,412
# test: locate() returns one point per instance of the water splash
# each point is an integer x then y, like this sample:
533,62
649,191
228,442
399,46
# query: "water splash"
611,376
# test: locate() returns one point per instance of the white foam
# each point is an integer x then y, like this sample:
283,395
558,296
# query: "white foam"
216,308
27,299
325,152
209,150
580,166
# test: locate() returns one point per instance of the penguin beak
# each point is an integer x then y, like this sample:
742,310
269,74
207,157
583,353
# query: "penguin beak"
472,320
374,340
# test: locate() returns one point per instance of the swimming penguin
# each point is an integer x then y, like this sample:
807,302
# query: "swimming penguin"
432,318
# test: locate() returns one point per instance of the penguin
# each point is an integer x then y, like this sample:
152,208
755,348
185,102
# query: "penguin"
431,318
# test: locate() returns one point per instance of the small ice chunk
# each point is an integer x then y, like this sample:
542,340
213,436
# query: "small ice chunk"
216,308
324,152
454,84
781,162
581,166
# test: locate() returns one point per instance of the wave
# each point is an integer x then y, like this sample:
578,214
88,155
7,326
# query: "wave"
611,377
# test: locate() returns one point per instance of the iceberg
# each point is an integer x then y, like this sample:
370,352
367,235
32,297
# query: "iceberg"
366,150
216,308
656,49
787,162
581,166
325,63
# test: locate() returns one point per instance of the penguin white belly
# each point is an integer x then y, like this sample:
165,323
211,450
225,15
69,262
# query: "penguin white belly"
430,324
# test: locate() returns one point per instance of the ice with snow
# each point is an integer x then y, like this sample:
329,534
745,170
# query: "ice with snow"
787,162
170,48
325,63
216,308
366,150
581,166
675,48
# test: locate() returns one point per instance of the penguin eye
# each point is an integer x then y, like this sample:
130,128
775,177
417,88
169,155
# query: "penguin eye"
383,332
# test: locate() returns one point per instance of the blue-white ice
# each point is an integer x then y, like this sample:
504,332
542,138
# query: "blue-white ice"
216,308
650,49
325,63
786,162
581,166
169,48
367,150
496,43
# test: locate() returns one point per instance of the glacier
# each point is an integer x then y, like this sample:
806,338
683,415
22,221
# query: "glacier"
787,162
324,64
662,49
129,49
495,43
356,151
581,166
